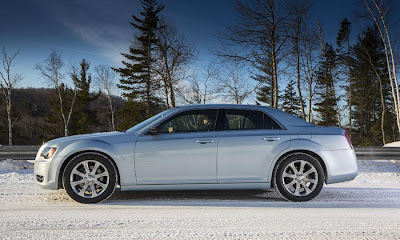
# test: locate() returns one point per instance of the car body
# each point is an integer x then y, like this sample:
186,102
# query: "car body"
198,147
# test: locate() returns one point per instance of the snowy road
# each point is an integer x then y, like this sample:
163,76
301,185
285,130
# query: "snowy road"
366,208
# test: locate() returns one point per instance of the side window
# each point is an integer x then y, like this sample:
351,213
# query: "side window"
247,119
243,119
191,121
269,123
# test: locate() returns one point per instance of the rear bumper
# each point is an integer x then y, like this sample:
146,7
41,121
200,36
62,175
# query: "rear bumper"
341,165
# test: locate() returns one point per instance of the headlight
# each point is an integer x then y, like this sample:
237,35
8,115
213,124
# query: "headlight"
48,152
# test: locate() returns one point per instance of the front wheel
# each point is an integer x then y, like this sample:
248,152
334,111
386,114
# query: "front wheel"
299,177
90,178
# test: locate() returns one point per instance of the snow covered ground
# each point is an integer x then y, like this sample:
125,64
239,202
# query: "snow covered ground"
366,208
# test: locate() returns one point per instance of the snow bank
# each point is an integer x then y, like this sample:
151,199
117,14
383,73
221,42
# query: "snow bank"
392,144
12,172
8,166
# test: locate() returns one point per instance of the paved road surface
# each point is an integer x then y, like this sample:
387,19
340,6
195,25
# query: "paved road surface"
367,208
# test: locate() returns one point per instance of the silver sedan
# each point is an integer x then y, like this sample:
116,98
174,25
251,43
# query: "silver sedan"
200,147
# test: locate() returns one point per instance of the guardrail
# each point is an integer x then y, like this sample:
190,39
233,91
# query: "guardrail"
18,152
363,153
377,153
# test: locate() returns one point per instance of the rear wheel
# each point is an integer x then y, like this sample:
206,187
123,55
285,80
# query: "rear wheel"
90,178
299,177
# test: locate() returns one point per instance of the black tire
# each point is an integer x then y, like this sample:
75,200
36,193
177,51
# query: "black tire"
103,186
285,185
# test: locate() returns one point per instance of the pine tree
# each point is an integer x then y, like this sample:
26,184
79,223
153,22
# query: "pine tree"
265,92
84,116
344,59
264,95
371,89
344,34
327,105
137,76
131,114
291,102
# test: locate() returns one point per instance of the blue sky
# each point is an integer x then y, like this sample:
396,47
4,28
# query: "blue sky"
98,30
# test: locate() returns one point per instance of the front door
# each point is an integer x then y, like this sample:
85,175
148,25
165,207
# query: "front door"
185,151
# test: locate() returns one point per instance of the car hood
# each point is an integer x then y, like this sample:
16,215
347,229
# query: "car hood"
97,136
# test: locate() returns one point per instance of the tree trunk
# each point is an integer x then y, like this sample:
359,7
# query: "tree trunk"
171,90
148,79
66,132
382,99
112,112
298,79
383,114
10,125
326,98
381,14
148,97
166,92
309,101
350,110
350,89
337,106
390,66
310,81
275,78
71,109
272,93
274,64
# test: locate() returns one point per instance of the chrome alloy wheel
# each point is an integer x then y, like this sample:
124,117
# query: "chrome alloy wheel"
89,178
300,178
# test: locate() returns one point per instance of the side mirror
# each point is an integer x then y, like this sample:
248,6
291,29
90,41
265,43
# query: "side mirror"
154,130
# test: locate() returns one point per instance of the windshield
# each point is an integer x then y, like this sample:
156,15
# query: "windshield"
149,121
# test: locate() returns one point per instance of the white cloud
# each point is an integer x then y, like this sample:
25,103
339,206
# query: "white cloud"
99,23
110,40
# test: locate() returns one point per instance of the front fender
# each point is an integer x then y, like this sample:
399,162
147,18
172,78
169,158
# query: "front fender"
122,154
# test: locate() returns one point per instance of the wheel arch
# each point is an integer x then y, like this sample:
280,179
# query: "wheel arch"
70,157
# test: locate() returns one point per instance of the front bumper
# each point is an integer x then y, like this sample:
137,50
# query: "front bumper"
45,174
341,165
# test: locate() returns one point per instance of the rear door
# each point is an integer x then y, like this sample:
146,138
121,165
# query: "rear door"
247,146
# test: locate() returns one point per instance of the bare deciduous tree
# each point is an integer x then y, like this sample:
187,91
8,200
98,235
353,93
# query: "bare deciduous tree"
309,46
344,53
378,12
232,85
367,56
174,54
201,89
298,14
7,84
322,43
257,39
51,69
105,80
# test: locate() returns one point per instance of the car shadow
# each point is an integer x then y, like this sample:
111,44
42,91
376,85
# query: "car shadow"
194,196
328,198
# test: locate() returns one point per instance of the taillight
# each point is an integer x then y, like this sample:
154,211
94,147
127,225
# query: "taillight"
348,139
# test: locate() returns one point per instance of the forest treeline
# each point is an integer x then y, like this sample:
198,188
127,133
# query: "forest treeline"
274,54
37,117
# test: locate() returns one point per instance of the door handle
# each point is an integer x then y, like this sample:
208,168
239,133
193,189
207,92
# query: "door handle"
272,139
204,141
